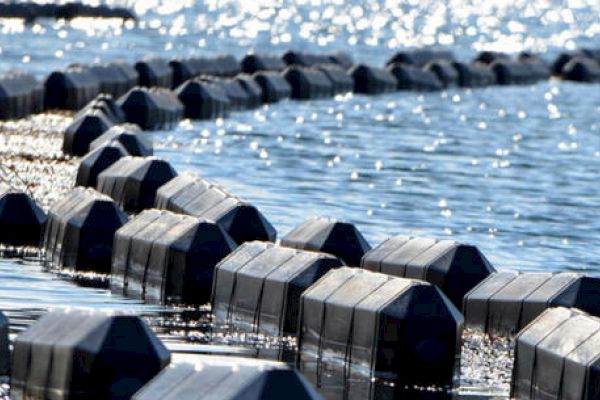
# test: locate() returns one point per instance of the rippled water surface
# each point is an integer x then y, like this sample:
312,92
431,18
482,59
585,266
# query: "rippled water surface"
512,169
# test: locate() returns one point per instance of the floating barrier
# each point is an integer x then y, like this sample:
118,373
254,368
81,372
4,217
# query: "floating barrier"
258,286
192,195
452,266
474,75
84,129
4,345
194,67
70,89
165,257
133,181
341,81
96,161
154,108
556,357
203,100
252,89
20,95
85,354
510,72
30,11
581,69
273,85
21,219
297,58
372,80
106,105
489,57
413,78
80,231
445,72
308,83
507,301
420,57
254,63
228,378
401,330
154,72
128,136
238,98
114,78
563,59
342,239
342,59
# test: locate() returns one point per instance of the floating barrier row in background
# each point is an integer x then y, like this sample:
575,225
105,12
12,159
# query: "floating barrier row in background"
297,75
30,11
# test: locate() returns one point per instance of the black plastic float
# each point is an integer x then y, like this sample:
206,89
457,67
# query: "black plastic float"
22,220
308,83
30,11
192,195
106,104
445,72
507,301
474,74
4,345
489,57
193,67
228,378
563,59
413,78
452,266
70,89
80,231
510,72
154,72
581,69
168,258
85,354
238,97
254,62
114,78
356,324
153,108
420,57
85,128
304,59
258,286
557,357
341,81
273,85
372,80
342,59
20,95
133,181
129,136
253,90
96,161
203,100
342,239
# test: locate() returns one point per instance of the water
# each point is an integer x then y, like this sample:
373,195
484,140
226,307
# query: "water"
511,170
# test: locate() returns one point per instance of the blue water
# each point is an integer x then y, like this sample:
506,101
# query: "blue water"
512,170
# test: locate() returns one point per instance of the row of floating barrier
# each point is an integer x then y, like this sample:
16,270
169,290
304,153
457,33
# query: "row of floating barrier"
209,87
391,313
30,11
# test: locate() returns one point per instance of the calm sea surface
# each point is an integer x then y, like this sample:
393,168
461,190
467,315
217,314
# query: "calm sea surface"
513,170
